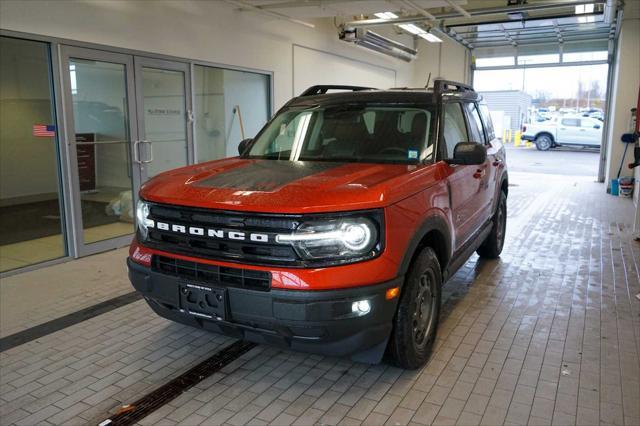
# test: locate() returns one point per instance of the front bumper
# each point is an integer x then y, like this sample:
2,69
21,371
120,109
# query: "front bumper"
528,138
310,321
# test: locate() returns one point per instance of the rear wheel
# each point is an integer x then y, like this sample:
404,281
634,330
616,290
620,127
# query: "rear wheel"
493,244
544,143
416,320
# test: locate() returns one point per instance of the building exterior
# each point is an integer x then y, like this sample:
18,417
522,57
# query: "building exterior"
511,105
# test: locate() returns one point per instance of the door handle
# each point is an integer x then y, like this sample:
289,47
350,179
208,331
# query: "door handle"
582,130
136,153
150,152
479,174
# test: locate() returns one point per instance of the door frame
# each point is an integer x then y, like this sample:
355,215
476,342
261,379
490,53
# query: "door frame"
141,62
76,231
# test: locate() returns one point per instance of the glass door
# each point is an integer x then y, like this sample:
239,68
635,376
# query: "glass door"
103,160
164,115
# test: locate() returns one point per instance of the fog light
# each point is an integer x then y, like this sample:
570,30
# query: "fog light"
361,307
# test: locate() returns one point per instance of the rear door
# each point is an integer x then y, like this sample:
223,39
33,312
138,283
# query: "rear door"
569,131
465,188
591,131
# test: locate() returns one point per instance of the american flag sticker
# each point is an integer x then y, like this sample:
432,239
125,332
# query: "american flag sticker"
44,130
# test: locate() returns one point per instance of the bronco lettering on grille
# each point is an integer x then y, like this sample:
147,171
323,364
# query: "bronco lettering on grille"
222,234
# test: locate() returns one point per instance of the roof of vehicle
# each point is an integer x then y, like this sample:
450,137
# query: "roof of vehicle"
317,95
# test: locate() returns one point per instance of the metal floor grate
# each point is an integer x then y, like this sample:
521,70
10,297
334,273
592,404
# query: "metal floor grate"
166,393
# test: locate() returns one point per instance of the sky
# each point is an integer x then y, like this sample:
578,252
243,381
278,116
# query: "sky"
558,82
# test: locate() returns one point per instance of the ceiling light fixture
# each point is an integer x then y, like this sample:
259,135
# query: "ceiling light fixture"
430,38
420,32
386,15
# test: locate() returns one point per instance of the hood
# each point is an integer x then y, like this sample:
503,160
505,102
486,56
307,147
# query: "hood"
279,186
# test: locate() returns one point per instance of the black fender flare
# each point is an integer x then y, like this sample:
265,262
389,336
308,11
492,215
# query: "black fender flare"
433,222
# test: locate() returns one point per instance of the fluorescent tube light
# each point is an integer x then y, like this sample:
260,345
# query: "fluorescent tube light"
430,38
386,15
412,28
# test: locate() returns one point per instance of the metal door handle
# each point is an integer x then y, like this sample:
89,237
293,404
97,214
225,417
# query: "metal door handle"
150,152
136,154
582,130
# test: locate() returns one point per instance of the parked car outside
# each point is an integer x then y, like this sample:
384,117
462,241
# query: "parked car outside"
564,130
336,227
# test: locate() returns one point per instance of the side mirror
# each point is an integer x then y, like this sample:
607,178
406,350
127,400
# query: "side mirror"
244,146
468,154
596,126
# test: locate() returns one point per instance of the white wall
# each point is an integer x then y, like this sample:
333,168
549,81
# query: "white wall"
215,31
626,81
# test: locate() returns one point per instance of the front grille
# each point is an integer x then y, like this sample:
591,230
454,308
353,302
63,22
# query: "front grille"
245,251
212,274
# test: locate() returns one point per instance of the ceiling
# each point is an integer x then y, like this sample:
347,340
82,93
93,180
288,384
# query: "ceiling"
477,24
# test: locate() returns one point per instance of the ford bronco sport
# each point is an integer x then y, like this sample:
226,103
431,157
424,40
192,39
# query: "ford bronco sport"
336,227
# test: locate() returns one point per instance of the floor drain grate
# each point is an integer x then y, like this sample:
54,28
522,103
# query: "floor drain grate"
135,411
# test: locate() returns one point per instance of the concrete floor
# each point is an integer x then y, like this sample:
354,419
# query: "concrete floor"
549,333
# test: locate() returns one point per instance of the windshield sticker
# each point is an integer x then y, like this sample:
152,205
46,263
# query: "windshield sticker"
412,154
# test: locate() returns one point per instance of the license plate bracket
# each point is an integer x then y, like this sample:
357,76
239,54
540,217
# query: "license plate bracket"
203,301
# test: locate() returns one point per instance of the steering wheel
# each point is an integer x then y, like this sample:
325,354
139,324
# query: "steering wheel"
393,149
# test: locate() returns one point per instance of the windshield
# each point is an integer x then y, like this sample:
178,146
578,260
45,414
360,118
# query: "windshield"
351,133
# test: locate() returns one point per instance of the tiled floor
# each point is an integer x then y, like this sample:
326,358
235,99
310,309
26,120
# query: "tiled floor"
550,333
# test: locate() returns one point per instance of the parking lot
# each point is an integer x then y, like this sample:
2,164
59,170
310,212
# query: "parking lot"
568,161
549,333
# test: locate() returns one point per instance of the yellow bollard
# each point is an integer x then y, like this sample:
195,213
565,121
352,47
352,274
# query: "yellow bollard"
504,136
516,141
518,138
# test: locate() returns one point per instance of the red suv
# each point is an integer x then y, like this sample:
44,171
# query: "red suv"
336,227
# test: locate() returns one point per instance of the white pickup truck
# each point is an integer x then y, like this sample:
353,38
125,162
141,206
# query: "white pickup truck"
564,130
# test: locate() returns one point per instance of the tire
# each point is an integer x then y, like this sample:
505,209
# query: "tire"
492,246
544,143
416,320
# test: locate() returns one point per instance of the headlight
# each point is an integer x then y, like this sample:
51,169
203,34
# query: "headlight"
349,238
142,218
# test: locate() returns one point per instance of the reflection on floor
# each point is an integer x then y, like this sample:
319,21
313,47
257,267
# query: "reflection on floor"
104,232
25,253
30,232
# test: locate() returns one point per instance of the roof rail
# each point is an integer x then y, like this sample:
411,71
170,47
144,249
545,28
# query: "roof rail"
440,86
322,89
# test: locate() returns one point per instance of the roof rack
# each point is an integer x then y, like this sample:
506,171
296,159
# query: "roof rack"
322,89
440,86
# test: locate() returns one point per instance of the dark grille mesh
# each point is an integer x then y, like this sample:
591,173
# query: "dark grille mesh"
213,274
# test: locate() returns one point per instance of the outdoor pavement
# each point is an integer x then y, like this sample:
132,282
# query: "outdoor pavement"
567,161
549,333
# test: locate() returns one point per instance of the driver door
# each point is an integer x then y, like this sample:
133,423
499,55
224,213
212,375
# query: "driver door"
465,186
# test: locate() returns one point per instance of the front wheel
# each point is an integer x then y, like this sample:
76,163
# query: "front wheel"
544,143
416,321
493,244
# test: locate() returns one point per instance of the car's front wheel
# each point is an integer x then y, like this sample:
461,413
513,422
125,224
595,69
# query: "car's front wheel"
416,321
544,143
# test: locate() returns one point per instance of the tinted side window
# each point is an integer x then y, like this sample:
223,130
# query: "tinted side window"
572,122
486,117
475,124
455,130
